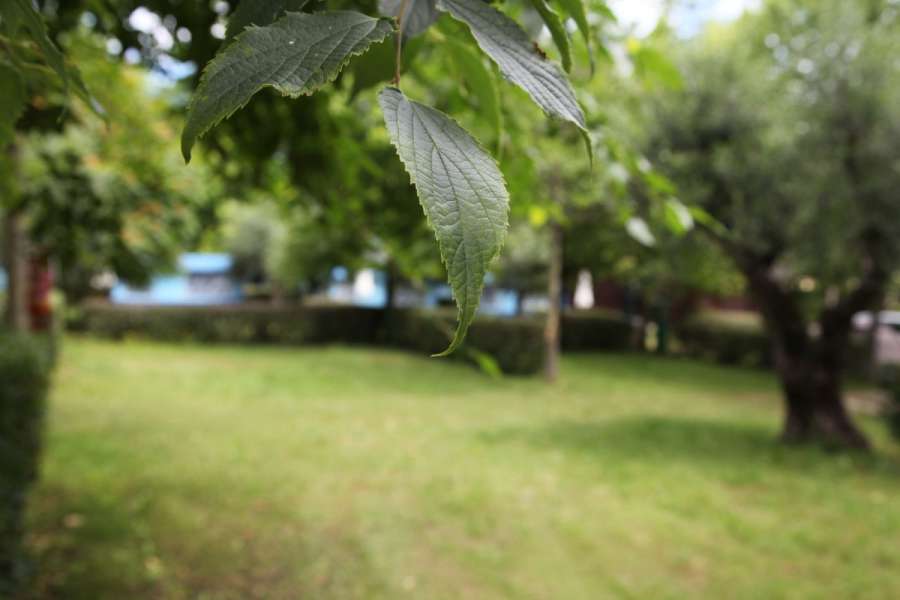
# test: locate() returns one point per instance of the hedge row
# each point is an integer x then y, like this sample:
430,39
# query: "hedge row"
245,324
890,380
24,375
726,340
593,330
516,345
742,340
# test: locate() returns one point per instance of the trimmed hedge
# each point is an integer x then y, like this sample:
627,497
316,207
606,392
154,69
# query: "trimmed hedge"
741,340
593,330
729,341
24,377
889,377
515,344
244,324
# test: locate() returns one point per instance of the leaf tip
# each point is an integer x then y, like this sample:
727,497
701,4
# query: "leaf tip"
454,345
186,145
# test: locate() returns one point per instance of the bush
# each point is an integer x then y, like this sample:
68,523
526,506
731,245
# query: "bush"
516,345
236,324
889,377
596,330
739,338
24,376
726,339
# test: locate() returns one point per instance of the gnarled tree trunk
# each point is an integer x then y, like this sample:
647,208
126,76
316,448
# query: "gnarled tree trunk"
810,368
814,403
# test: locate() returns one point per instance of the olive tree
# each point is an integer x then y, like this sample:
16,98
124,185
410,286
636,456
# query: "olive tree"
788,135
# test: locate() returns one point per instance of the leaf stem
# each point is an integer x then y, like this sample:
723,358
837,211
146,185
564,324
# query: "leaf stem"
400,17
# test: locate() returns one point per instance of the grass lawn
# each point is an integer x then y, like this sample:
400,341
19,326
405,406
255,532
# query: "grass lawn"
196,472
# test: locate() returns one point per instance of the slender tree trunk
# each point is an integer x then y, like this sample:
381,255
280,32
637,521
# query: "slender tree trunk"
390,288
520,303
554,293
390,301
16,263
277,294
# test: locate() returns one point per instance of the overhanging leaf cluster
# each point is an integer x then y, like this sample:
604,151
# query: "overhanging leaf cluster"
458,182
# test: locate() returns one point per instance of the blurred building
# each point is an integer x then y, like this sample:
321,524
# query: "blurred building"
202,279
368,287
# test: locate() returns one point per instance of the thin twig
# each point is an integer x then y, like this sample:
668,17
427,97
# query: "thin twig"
400,17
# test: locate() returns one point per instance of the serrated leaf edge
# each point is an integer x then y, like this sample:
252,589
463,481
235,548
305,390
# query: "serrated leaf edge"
186,148
461,329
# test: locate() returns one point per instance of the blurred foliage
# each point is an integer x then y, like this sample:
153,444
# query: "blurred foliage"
111,195
787,132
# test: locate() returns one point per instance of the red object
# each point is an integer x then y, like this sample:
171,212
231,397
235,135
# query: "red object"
40,282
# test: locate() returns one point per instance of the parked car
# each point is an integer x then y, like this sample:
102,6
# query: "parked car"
887,334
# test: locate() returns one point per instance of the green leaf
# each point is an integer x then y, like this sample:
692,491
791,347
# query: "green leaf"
480,82
260,13
520,60
575,10
677,217
638,229
557,31
603,9
12,102
296,55
23,12
653,66
34,23
419,15
461,191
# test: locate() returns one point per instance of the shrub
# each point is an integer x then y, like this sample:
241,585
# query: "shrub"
739,338
24,375
889,377
515,344
236,324
726,339
596,330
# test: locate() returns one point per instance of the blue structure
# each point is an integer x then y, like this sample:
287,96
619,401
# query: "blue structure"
369,288
202,279
495,302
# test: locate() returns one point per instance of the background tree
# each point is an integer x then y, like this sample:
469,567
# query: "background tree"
787,134
37,82
110,195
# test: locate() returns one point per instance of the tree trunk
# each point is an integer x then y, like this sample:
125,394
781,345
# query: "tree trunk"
16,263
390,286
278,295
388,315
520,303
554,307
814,405
810,370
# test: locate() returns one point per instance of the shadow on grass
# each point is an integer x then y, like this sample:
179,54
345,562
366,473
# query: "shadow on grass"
703,443
82,547
88,547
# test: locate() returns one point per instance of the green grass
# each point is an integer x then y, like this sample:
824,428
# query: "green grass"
194,472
